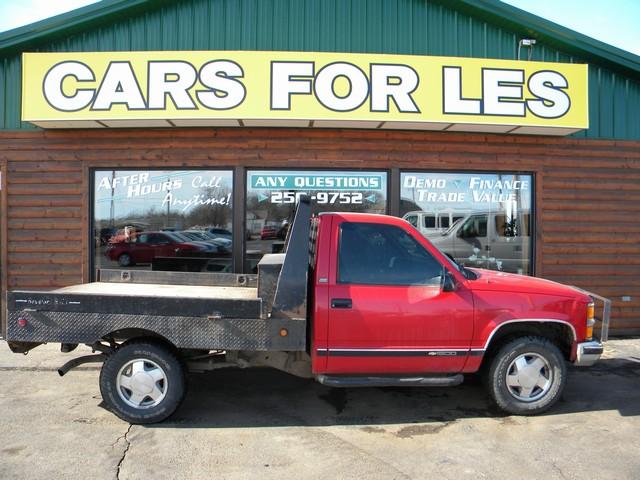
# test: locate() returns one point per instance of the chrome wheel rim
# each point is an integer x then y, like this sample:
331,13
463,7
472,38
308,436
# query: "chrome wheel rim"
142,383
529,377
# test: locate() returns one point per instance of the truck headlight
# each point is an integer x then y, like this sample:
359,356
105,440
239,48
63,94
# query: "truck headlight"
590,320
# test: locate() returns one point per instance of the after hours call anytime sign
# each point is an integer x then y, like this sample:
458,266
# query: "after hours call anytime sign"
302,89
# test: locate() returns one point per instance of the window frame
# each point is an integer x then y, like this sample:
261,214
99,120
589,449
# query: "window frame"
248,170
532,226
146,168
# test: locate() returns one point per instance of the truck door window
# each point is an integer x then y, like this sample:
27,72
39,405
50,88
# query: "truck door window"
377,254
413,220
444,222
474,227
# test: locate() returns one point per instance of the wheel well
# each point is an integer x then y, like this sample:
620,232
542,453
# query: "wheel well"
127,335
560,334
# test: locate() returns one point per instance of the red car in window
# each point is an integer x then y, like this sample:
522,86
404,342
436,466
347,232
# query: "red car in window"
148,245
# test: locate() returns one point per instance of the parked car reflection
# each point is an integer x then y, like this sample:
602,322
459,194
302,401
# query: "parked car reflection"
222,244
145,246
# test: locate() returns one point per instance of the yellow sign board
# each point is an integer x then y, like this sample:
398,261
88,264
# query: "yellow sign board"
191,88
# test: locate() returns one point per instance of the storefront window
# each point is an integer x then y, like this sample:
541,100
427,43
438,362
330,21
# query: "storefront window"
163,219
272,196
480,219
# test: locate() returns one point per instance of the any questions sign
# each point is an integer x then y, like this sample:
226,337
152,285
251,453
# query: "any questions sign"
111,89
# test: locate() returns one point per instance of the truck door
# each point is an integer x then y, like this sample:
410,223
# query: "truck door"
387,312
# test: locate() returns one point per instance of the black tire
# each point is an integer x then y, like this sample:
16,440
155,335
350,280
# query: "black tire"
120,399
125,260
525,351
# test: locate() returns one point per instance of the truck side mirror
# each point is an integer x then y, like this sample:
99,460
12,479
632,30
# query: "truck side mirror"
448,282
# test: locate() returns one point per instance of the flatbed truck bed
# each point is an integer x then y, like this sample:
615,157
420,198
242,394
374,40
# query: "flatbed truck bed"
208,311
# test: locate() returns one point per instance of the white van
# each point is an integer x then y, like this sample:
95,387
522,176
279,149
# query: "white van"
489,240
432,223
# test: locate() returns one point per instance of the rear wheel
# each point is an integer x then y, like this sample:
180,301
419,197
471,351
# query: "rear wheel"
142,382
527,376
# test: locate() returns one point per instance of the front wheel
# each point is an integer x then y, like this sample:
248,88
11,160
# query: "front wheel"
527,376
142,382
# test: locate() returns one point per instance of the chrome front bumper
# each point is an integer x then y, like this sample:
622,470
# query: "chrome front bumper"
588,353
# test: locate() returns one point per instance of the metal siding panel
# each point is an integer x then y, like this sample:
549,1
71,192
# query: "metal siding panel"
594,102
328,25
154,32
200,18
375,25
280,20
88,42
13,89
633,111
169,31
217,25
358,26
185,26
405,31
249,25
343,26
264,28
312,22
419,18
3,97
122,37
389,34
138,31
296,25
233,25
605,104
620,93
477,37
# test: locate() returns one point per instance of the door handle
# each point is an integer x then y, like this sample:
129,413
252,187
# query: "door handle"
341,303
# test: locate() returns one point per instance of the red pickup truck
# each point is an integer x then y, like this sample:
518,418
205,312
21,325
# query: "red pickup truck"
356,300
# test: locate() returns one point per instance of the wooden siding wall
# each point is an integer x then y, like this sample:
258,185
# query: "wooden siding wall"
587,191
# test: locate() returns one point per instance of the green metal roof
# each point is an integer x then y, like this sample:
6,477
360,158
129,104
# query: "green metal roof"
493,11
100,13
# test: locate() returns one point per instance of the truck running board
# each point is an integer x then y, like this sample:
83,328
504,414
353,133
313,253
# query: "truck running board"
390,381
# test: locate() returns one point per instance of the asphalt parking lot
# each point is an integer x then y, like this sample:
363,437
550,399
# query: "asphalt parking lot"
262,423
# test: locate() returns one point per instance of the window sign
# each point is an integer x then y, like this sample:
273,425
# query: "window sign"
323,89
163,219
272,196
481,220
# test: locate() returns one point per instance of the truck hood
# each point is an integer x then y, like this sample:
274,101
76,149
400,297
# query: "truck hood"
490,280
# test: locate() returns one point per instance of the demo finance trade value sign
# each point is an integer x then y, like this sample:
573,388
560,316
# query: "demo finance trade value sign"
301,89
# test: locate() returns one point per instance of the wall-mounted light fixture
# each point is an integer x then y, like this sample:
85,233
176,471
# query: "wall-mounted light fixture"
526,42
